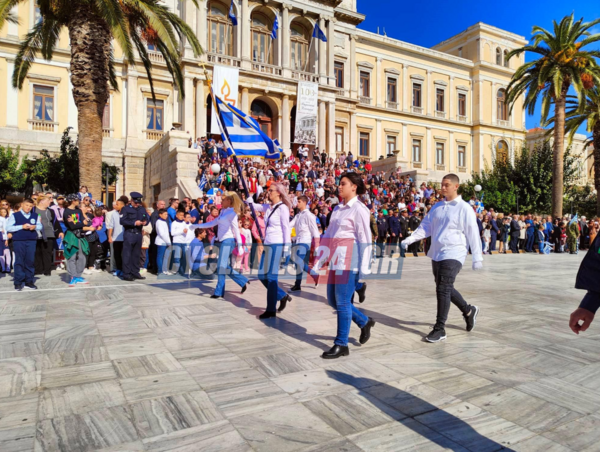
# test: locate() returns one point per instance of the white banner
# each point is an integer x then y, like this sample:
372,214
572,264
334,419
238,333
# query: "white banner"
225,85
306,113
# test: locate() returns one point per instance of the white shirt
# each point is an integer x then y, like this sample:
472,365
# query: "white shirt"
348,221
177,228
228,226
452,226
306,227
113,221
277,222
162,233
3,233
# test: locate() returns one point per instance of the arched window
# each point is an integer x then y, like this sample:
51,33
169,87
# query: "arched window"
260,111
498,56
299,44
262,50
502,151
501,105
505,58
220,36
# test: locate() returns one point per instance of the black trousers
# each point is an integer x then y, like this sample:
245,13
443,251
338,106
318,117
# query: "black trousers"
118,251
91,257
132,248
445,273
380,246
414,248
513,244
393,243
44,256
152,254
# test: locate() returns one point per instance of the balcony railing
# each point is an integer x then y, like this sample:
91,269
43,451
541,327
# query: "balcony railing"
392,105
340,92
417,110
417,165
503,123
305,76
440,114
462,118
223,59
42,126
266,68
154,135
106,132
462,169
365,100
156,57
440,167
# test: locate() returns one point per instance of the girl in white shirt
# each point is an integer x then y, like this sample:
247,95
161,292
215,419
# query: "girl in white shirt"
277,242
347,244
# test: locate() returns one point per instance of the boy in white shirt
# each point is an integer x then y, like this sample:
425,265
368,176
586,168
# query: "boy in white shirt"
162,241
179,230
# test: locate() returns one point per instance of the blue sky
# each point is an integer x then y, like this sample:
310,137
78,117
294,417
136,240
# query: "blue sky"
428,23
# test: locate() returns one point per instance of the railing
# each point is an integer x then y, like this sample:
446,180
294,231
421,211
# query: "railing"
440,167
154,135
462,169
502,123
156,57
418,110
223,59
364,100
106,133
462,118
42,126
305,76
340,92
392,105
440,114
417,165
266,68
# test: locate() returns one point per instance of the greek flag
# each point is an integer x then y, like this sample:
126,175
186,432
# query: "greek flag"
275,28
242,135
318,33
232,15
203,182
220,179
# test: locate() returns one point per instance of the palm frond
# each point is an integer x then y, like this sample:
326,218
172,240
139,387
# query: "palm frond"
5,11
29,48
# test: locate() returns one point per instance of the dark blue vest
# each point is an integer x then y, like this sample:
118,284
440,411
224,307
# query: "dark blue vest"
24,234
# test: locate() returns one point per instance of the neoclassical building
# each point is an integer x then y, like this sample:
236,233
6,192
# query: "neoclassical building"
434,109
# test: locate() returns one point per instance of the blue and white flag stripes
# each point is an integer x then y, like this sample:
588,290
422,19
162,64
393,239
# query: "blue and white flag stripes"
203,182
275,27
232,15
318,33
242,135
220,179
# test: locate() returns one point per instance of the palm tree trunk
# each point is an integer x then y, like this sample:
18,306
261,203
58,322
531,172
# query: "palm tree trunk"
596,141
90,56
558,157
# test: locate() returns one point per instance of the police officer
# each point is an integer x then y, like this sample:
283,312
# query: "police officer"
382,231
395,230
133,218
403,229
413,223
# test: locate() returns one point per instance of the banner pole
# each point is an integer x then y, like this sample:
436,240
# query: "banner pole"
308,54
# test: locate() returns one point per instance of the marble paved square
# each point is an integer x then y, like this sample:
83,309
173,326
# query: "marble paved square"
159,366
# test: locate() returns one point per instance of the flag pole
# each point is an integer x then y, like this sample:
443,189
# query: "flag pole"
308,54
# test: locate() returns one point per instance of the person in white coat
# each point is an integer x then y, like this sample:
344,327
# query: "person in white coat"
452,226
305,226
276,244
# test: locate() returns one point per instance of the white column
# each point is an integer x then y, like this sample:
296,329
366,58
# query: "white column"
405,142
480,106
330,50
71,108
12,97
322,143
379,84
493,105
428,103
331,129
471,95
245,102
353,90
124,101
405,90
452,94
13,29
451,157
429,149
188,123
202,25
480,153
132,116
245,29
200,110
379,140
285,112
353,135
285,35
322,54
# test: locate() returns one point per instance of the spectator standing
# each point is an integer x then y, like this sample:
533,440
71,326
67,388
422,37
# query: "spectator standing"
23,225
46,243
115,231
75,244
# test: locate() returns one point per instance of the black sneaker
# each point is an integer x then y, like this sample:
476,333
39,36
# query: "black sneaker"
437,334
362,293
471,318
30,286
19,287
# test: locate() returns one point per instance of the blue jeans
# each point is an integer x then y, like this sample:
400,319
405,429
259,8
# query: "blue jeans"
268,274
529,244
226,247
340,289
300,257
160,256
179,257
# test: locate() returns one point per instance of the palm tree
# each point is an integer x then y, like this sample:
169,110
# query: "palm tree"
576,117
563,63
93,26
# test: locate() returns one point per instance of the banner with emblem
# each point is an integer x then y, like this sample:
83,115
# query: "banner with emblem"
225,85
306,113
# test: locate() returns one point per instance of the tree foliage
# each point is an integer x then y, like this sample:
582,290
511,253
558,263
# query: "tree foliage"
524,185
13,173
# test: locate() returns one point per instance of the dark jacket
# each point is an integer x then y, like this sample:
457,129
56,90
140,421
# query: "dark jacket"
382,227
514,228
55,224
589,270
494,225
394,225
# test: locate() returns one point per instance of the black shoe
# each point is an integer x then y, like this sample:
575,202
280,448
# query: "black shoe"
365,331
19,287
362,293
335,352
283,303
295,288
437,334
128,278
215,296
138,277
30,286
245,288
471,318
267,315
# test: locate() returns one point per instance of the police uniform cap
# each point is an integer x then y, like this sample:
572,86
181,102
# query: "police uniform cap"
135,196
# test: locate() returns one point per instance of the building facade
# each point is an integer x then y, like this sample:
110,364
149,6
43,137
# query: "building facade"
435,110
